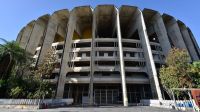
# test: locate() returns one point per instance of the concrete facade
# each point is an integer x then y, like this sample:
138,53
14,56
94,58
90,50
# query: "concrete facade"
38,33
107,55
25,36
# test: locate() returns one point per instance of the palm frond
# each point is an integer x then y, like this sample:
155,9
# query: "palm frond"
4,40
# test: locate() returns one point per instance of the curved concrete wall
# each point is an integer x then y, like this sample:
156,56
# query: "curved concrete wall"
135,41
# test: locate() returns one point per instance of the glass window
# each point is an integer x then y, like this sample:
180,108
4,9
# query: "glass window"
101,53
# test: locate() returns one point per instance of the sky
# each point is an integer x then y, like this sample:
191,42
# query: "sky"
15,14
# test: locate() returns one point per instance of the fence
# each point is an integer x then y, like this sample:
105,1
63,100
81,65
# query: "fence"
46,103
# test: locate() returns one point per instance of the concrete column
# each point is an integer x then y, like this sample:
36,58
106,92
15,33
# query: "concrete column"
92,64
121,56
48,39
65,59
19,36
26,35
189,44
194,42
38,33
155,87
161,32
174,32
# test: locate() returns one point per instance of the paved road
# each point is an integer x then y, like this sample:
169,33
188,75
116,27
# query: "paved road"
97,109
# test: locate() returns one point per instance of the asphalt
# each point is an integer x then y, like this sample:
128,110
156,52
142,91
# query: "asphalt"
97,109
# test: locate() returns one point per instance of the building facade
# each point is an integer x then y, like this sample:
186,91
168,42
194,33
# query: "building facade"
107,55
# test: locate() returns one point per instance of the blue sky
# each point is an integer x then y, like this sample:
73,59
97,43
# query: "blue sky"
14,14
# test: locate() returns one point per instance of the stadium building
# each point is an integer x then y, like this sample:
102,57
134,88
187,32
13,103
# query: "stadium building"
107,55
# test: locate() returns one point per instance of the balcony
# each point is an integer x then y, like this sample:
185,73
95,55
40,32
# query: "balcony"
107,68
133,59
81,40
106,48
58,43
81,49
80,69
133,49
59,51
106,58
135,69
105,40
117,79
81,59
130,40
106,79
154,43
157,52
78,79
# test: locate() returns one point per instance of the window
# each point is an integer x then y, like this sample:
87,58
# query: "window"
129,54
81,45
106,53
83,74
124,54
59,47
88,54
83,54
126,44
153,47
132,54
141,55
105,63
110,53
79,54
101,53
105,74
105,44
82,64
131,63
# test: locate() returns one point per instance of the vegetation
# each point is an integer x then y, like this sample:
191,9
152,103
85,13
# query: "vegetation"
18,78
195,73
44,71
46,68
14,57
178,72
13,60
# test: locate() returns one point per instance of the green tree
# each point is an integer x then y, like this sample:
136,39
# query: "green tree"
21,87
35,84
43,72
176,73
3,87
13,61
13,58
19,79
195,73
46,67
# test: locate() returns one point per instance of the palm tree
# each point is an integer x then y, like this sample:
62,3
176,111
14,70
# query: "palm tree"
12,57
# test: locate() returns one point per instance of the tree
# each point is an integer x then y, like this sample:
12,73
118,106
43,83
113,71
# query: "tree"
44,71
19,79
176,73
13,61
12,58
21,87
195,73
3,86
